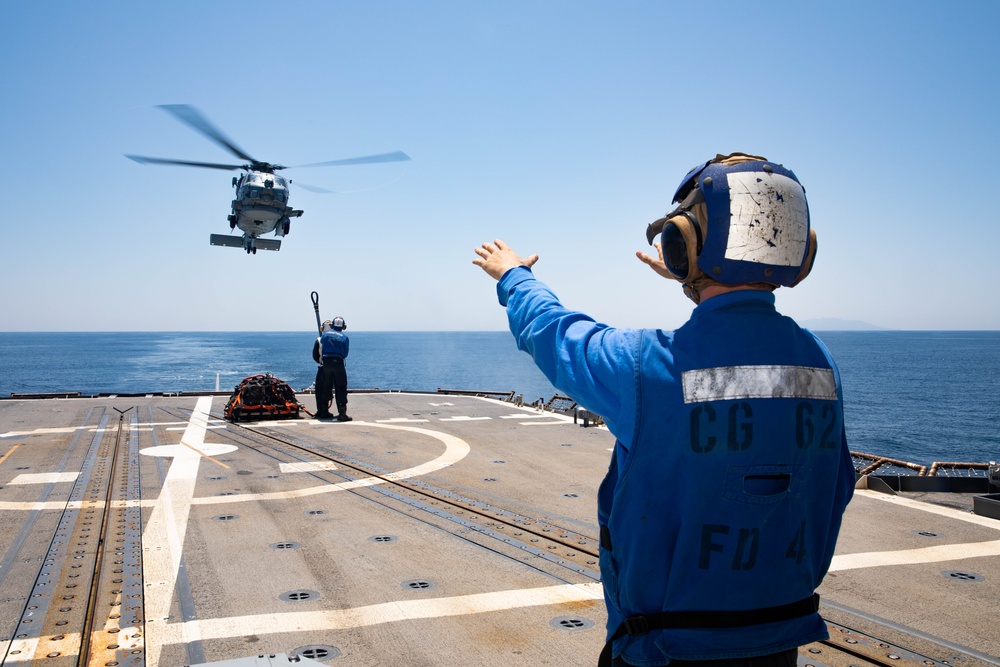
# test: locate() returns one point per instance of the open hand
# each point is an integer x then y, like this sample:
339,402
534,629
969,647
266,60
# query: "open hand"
497,258
656,264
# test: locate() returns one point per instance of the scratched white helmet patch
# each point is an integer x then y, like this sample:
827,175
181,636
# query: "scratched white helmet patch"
769,220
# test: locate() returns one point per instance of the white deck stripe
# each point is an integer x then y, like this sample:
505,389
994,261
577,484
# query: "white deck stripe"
406,610
168,526
935,554
44,478
456,449
950,512
387,612
93,429
184,428
559,423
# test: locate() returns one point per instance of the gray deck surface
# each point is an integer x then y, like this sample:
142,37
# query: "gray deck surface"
238,549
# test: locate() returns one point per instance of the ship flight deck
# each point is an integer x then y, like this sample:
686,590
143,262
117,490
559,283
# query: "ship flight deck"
434,529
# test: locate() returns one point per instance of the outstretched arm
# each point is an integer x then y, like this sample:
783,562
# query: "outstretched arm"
588,361
656,264
498,258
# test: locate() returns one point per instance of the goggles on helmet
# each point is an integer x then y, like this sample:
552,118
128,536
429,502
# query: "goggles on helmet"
680,230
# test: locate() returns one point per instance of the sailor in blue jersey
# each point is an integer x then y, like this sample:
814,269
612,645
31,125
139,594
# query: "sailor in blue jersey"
330,351
721,507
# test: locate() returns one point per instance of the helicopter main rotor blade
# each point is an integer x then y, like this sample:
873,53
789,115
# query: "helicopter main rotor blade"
314,188
192,117
141,159
396,156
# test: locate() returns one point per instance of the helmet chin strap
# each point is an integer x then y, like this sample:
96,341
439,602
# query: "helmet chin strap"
694,288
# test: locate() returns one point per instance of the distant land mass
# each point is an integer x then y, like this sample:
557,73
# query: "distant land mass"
835,324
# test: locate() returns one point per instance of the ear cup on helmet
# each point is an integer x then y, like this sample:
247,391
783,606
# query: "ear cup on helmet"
807,265
680,243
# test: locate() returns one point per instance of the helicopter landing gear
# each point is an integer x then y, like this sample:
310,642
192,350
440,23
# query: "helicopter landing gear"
232,221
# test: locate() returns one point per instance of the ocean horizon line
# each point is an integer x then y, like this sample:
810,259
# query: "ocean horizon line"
431,331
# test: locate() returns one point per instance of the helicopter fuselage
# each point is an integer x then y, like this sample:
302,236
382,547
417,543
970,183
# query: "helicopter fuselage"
261,204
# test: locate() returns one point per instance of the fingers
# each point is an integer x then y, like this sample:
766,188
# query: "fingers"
657,265
496,258
648,259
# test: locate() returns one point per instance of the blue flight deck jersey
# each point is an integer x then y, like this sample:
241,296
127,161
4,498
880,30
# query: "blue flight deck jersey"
731,469
335,344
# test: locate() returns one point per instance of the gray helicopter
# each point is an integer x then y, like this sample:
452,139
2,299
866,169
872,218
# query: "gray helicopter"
261,203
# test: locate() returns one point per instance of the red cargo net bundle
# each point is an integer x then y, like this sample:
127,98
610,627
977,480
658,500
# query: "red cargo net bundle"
262,397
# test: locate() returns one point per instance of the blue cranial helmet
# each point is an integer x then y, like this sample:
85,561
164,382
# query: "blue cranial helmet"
741,219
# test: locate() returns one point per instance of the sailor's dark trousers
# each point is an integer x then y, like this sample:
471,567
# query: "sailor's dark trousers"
331,379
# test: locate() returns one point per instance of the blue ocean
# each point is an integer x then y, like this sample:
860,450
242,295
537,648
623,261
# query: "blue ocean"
915,396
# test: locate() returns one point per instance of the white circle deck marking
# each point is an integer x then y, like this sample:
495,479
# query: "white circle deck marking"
455,449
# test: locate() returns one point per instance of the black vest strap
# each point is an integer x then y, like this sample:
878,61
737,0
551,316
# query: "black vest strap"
605,538
640,625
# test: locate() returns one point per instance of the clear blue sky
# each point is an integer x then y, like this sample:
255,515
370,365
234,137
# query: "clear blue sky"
561,127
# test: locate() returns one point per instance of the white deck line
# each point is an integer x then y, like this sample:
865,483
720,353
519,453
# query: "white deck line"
941,510
93,429
167,526
558,423
387,612
455,450
935,554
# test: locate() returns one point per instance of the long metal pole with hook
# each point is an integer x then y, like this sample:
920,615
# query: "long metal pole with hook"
315,299
319,326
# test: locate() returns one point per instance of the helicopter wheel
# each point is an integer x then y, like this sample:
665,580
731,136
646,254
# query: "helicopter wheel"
255,251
